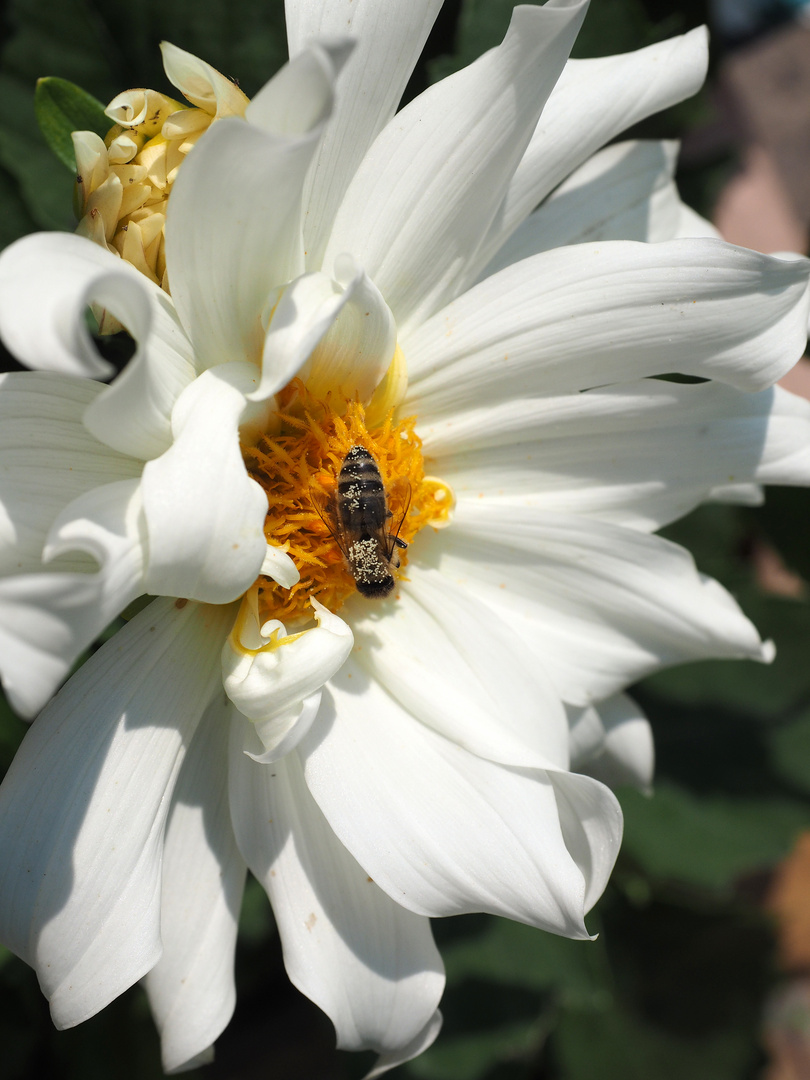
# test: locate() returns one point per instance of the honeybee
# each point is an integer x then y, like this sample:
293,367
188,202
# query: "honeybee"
357,517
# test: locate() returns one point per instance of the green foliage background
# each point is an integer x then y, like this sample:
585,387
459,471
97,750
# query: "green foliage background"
673,988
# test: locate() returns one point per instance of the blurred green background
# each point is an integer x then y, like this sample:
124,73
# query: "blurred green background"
685,967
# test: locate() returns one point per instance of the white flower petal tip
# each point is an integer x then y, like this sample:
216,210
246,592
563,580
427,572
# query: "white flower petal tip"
425,1039
356,351
204,514
278,565
202,84
47,283
592,102
301,96
205,1057
47,619
336,333
274,679
281,734
613,742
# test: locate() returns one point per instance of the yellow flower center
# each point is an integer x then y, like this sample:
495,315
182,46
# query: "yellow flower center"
298,466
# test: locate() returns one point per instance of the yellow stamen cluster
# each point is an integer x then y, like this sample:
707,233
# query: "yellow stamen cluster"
298,468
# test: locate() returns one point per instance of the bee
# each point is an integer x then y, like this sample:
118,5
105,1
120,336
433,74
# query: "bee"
358,517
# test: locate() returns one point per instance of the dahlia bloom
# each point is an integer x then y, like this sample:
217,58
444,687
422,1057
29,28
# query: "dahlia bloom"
343,276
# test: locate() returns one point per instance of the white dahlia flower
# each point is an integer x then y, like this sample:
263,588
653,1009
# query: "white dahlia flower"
372,296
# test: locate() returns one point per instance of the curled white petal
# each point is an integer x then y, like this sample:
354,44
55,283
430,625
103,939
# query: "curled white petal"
202,84
592,102
268,674
356,351
278,565
603,605
47,282
639,454
495,840
337,334
281,733
48,618
48,459
592,314
618,747
204,514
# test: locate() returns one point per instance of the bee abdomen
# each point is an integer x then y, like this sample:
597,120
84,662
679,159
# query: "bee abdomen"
361,493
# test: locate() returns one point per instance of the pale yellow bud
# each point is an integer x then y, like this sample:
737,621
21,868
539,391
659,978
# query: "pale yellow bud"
123,182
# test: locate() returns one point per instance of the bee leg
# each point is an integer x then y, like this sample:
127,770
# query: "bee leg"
400,543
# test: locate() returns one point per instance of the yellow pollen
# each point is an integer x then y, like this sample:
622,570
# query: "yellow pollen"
298,465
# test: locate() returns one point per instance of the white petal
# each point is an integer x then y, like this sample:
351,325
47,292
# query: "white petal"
586,733
592,102
450,832
427,190
133,414
48,459
625,753
593,314
280,734
48,619
355,353
426,1037
738,494
602,605
453,664
265,672
233,229
367,962
84,804
47,282
335,335
638,454
191,988
625,192
591,822
278,565
389,39
202,84
302,312
204,513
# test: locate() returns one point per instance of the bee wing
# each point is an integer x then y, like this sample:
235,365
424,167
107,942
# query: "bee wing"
323,503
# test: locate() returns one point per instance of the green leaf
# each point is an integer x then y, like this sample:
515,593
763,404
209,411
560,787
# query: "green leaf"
707,842
611,1044
62,108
